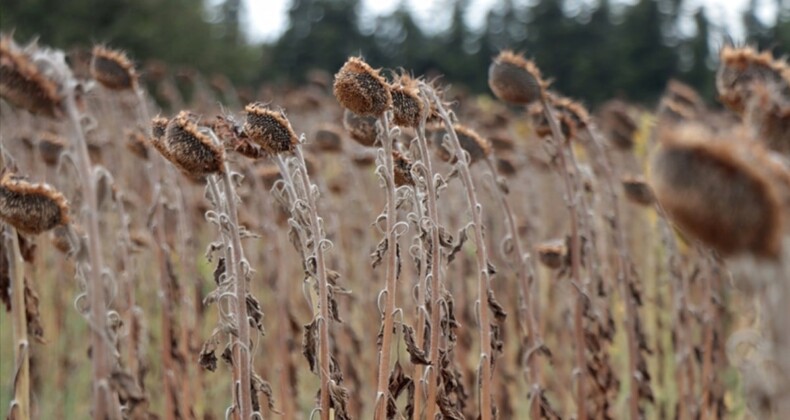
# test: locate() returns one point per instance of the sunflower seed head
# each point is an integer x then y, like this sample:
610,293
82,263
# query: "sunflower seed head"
31,208
361,89
269,129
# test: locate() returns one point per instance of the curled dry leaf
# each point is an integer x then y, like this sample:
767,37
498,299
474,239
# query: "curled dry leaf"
310,345
496,307
417,355
399,382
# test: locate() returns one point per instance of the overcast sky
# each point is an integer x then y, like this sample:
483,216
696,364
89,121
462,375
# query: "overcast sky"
267,19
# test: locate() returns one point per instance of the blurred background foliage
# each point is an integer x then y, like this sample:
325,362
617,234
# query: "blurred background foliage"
594,50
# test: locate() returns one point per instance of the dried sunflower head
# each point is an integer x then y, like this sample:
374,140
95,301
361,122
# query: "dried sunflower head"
361,89
31,208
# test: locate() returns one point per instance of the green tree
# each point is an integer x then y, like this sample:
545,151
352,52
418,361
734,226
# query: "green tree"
644,61
175,31
757,32
321,35
699,74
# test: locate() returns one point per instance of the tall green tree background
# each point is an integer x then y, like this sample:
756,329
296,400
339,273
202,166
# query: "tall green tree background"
594,50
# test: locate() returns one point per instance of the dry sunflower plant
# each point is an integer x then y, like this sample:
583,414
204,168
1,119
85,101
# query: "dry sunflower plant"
421,253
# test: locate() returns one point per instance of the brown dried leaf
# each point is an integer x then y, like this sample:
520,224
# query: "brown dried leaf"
449,321
255,313
27,249
417,355
497,345
496,307
257,385
462,237
208,358
447,408
126,386
398,382
378,255
333,307
445,238
309,345
338,398
546,410
491,268
219,271
332,277
451,381
34,327
227,355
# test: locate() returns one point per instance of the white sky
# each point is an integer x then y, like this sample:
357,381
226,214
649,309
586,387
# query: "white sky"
267,19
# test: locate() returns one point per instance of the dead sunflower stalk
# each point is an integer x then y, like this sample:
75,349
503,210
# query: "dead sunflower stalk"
517,80
361,90
525,267
115,72
197,152
30,209
272,132
483,265
39,80
433,280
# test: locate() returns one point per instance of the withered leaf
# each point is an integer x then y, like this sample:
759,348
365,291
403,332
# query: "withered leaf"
447,408
255,313
398,265
378,255
27,249
309,345
451,380
417,355
497,345
496,307
126,386
398,382
259,385
546,410
34,326
335,373
219,271
449,321
490,268
338,398
332,277
227,355
333,307
445,238
458,245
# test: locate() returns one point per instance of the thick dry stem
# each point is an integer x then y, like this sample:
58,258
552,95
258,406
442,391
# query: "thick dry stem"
169,372
531,313
420,325
283,331
482,264
575,251
241,349
684,371
382,391
233,269
104,404
623,273
433,215
20,406
323,288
